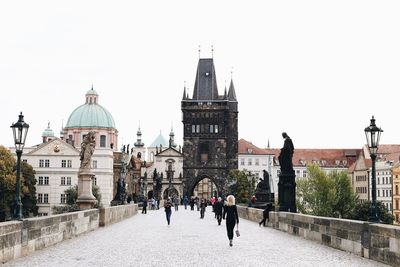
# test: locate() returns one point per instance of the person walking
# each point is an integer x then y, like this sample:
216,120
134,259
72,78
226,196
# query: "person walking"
192,203
185,201
218,207
144,208
266,214
232,218
203,206
168,210
176,203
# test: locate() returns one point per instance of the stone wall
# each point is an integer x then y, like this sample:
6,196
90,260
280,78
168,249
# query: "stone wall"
378,242
115,214
21,238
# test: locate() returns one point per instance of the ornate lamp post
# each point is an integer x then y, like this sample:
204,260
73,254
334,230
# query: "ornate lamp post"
20,129
373,133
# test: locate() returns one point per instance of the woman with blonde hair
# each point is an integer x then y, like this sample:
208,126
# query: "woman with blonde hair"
230,211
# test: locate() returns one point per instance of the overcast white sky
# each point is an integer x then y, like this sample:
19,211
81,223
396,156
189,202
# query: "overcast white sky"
316,69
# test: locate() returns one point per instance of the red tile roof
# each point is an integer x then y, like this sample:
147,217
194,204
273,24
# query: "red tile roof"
302,157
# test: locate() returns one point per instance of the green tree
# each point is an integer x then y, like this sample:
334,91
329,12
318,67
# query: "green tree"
325,194
242,185
28,198
72,196
7,183
7,186
361,212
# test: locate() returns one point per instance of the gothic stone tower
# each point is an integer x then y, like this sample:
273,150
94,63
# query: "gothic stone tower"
210,131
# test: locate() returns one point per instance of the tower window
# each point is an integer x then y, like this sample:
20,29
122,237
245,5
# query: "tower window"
204,151
102,141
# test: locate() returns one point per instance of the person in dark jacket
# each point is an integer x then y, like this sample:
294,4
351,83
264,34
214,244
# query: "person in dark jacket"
218,208
144,208
266,214
168,211
203,205
232,218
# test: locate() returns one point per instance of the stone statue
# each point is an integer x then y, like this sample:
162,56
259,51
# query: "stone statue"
87,148
286,155
263,185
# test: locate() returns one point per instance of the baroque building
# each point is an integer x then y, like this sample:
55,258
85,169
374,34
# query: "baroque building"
210,131
56,161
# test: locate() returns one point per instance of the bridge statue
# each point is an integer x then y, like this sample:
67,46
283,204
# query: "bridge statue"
263,194
87,149
86,200
287,183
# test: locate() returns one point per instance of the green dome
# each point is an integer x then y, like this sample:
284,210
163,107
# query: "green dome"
48,132
90,114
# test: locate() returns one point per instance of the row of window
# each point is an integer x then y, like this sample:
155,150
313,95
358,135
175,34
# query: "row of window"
250,162
65,163
205,128
103,139
361,178
385,192
361,190
44,180
44,198
387,179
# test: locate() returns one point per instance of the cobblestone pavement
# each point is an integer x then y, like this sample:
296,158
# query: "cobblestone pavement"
147,240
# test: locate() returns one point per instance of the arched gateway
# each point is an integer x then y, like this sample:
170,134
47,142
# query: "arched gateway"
210,123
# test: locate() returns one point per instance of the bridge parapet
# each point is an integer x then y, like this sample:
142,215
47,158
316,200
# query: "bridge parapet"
21,238
378,242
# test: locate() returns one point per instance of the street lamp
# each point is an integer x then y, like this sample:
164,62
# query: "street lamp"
20,129
373,133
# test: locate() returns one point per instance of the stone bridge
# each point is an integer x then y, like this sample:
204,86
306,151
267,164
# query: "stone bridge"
147,240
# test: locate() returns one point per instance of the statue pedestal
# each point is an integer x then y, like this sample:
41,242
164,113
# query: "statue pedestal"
85,200
287,192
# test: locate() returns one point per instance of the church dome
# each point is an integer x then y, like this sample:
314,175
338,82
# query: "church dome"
48,132
90,114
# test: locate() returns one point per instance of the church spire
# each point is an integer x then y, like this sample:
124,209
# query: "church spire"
172,137
139,142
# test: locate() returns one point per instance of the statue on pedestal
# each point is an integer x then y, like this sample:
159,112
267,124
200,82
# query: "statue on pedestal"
287,183
286,155
86,200
87,149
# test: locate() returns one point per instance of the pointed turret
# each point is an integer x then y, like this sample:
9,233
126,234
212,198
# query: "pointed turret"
205,87
232,93
184,93
225,94
139,142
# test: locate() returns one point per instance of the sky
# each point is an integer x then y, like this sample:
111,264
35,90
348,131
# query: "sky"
317,70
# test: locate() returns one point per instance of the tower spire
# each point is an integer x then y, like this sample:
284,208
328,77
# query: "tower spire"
199,51
184,91
139,142
232,93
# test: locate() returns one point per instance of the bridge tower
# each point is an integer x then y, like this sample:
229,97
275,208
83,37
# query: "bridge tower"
210,131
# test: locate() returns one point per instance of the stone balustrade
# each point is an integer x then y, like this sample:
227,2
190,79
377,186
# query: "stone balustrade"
21,238
378,242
